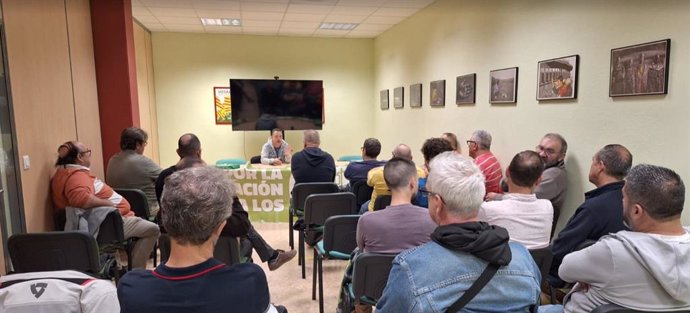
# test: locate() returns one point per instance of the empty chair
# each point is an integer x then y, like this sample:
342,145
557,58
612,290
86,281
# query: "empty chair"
300,192
369,276
54,251
255,159
362,192
382,202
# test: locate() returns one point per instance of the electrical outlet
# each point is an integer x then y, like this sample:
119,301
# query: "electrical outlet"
27,162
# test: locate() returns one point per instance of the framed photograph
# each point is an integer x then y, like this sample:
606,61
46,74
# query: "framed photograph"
221,105
416,96
398,97
557,78
465,89
503,85
438,93
640,69
384,99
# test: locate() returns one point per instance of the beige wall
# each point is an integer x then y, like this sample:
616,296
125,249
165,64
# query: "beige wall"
52,78
188,66
145,83
456,37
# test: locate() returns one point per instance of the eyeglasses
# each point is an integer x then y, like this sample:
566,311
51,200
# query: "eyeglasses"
547,151
430,194
471,142
86,152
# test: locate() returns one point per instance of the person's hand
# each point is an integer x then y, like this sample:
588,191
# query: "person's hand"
582,286
491,196
277,162
288,150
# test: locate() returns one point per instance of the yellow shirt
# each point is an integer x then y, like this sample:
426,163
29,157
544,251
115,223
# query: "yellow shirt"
375,179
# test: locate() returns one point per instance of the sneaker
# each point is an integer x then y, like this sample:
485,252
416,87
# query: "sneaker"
282,258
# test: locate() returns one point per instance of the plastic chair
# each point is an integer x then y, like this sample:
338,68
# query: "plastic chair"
255,159
111,238
382,202
362,191
227,250
543,258
318,208
230,163
369,276
54,251
300,192
350,158
339,240
140,205
614,308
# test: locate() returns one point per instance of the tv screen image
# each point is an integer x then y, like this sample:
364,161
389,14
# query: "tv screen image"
262,104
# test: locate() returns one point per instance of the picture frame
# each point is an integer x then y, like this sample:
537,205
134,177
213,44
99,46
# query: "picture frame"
437,93
416,96
465,89
398,97
383,95
503,85
640,69
557,78
222,105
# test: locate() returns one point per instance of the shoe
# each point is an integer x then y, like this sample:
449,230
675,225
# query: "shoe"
282,258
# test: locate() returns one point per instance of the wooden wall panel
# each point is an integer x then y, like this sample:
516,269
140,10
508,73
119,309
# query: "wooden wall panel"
147,100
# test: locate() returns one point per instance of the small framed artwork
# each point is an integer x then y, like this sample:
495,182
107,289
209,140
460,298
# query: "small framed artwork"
465,89
398,97
384,99
503,85
438,93
221,105
416,96
640,69
557,78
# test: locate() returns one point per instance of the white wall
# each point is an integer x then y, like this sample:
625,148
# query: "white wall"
188,66
457,37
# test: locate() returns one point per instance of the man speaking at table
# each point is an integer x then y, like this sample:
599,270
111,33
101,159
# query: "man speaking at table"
276,151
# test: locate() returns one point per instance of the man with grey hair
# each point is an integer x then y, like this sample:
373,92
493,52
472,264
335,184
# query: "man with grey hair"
197,201
312,164
554,181
480,150
462,249
644,269
602,211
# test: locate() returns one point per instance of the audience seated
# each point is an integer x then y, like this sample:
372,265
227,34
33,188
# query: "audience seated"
196,203
312,164
646,268
453,141
357,171
376,180
480,150
431,277
238,224
276,151
602,211
129,168
73,185
431,148
527,219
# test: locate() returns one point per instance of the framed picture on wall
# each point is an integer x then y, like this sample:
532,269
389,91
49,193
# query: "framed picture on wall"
438,93
640,69
384,99
398,97
557,78
221,105
416,96
465,89
503,85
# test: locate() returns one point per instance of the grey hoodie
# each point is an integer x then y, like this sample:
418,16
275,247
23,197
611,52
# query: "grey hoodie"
636,270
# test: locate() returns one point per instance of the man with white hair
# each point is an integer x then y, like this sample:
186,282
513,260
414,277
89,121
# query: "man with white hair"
480,150
438,274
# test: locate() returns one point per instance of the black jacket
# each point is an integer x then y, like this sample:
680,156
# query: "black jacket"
313,165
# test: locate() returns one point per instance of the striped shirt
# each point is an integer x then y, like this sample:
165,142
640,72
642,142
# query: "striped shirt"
491,169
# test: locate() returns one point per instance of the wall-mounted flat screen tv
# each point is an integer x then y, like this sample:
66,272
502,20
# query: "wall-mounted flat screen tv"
261,104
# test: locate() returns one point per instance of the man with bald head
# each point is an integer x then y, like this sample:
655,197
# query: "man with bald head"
312,165
375,177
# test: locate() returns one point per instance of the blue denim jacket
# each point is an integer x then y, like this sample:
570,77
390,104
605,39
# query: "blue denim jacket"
430,278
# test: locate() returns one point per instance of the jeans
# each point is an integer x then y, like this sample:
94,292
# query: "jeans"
263,249
551,308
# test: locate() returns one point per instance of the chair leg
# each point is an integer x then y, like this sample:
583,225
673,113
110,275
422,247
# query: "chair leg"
320,265
291,234
301,254
313,278
155,254
552,293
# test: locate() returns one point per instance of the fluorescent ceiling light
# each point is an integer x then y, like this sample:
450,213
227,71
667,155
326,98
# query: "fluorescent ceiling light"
338,26
221,21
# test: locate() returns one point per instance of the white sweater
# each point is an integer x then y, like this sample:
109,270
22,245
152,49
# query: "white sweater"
527,219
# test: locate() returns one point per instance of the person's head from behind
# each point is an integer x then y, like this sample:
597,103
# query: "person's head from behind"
277,137
73,152
400,175
525,169
456,188
133,138
189,145
612,161
402,151
433,147
311,138
452,140
652,195
480,141
552,149
371,148
195,203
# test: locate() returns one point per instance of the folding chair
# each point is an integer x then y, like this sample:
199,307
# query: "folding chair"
369,277
362,192
54,251
300,192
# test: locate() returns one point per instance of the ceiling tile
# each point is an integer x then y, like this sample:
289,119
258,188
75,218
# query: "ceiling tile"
407,3
333,18
223,29
268,1
263,7
302,17
141,11
373,27
364,3
262,16
167,3
146,19
254,23
305,8
384,19
301,25
259,30
173,12
295,31
136,3
218,13
353,10
184,28
315,2
179,20
404,12
363,34
156,27
330,33
217,5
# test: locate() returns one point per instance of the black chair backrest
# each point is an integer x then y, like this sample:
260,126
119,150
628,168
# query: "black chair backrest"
614,308
320,207
111,230
340,233
137,200
301,191
227,250
362,191
543,258
255,159
370,274
382,202
54,251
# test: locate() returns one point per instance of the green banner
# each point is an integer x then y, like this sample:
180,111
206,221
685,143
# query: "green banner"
264,192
